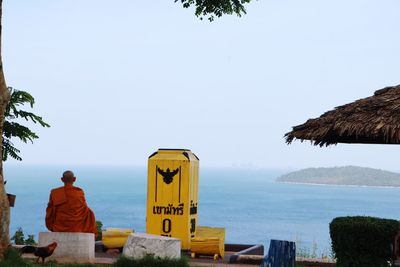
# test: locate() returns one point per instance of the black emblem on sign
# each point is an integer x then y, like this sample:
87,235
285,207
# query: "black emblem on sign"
167,175
193,208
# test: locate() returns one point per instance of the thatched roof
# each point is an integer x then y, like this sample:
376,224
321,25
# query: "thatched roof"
371,120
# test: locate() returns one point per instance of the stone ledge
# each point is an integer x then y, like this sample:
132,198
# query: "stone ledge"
71,247
139,245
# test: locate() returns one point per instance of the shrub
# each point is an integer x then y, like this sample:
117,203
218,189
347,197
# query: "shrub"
30,240
53,264
151,261
13,259
99,226
363,241
19,236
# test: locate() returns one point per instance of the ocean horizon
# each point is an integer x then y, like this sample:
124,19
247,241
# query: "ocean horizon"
248,203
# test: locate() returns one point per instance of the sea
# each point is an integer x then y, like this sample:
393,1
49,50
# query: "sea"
248,203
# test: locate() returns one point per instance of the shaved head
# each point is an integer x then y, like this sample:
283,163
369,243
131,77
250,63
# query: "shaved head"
68,177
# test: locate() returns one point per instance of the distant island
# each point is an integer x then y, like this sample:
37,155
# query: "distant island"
348,175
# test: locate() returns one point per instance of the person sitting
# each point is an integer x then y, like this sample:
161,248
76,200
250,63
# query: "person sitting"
67,210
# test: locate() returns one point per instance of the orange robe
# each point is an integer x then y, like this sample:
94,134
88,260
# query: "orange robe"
67,211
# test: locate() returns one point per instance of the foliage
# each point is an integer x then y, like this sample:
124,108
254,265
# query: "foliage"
150,260
13,129
363,241
314,250
302,251
218,8
13,259
54,264
19,238
30,240
99,225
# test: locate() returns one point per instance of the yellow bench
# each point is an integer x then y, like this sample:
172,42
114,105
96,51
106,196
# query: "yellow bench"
208,241
115,237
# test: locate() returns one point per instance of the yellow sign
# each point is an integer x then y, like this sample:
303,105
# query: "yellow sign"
172,194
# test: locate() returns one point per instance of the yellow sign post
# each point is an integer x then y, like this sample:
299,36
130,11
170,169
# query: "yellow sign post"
172,194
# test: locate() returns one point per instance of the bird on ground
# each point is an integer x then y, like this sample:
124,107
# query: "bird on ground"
40,252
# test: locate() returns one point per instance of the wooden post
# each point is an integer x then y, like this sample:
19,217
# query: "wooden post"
280,254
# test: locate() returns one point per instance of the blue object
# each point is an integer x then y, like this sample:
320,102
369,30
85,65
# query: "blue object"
280,254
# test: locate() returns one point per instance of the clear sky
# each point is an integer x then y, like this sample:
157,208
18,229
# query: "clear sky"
118,79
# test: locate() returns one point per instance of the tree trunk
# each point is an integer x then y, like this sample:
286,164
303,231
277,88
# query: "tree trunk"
4,205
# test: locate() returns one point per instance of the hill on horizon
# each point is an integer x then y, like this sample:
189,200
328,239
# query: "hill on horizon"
347,175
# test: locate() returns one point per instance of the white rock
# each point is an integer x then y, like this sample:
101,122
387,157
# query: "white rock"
71,247
139,245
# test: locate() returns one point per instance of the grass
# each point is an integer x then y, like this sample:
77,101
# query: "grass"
53,264
149,261
13,259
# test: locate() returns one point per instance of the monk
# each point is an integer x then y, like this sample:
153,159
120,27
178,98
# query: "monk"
67,210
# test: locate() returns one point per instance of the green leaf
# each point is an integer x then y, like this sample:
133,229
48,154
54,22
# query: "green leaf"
15,130
216,8
10,150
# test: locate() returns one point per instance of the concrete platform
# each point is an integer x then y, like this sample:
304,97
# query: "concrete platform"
71,247
139,245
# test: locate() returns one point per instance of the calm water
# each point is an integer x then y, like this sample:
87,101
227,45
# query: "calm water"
249,204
